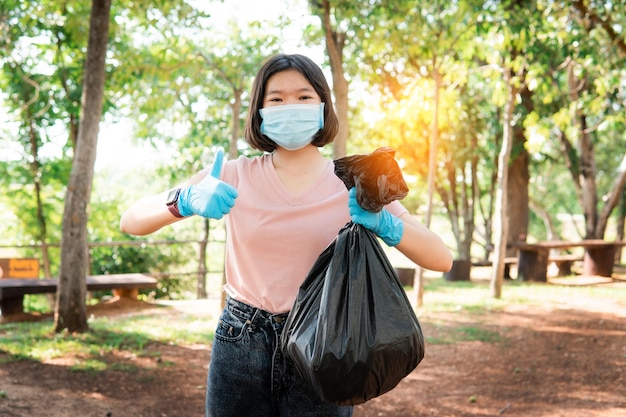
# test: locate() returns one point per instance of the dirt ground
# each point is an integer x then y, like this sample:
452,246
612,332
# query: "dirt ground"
566,359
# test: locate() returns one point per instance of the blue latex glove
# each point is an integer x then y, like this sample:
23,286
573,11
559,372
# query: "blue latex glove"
211,197
384,224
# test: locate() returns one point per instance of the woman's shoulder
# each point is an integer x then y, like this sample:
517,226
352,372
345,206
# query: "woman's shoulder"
245,165
247,162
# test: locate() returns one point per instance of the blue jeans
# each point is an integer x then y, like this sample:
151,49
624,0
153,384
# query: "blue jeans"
249,376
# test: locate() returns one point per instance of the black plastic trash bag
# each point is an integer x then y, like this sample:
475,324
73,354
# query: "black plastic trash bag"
352,333
377,178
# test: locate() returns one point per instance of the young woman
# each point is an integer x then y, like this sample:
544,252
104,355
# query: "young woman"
284,208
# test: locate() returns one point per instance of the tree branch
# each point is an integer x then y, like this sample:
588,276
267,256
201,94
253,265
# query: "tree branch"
590,20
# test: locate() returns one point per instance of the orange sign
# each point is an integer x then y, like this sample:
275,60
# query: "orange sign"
19,268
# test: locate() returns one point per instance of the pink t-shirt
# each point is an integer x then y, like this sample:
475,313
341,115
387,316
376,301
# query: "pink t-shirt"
273,237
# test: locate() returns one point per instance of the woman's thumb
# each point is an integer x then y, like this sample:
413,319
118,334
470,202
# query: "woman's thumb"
216,169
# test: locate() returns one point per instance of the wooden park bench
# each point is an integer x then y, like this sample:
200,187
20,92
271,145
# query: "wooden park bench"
534,258
563,263
13,290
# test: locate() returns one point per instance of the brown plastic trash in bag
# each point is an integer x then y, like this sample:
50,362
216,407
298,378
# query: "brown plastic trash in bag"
377,178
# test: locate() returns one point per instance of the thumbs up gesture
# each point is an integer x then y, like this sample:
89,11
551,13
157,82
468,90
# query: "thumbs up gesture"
211,197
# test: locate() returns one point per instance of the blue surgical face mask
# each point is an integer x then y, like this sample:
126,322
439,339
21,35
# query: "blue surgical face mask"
292,126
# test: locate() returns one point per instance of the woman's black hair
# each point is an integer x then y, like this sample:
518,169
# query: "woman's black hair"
314,75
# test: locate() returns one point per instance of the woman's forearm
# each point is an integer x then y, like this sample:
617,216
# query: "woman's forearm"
423,246
147,215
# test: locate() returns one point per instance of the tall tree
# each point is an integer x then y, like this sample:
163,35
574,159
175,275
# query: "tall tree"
587,112
419,43
501,221
42,61
592,18
70,312
335,39
521,18
37,96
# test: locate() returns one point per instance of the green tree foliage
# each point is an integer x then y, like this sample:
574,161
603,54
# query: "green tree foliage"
44,46
580,110
469,51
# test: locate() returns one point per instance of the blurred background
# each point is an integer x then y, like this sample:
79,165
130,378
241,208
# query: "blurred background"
464,91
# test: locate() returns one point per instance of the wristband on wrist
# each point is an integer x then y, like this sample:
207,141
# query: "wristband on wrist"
172,202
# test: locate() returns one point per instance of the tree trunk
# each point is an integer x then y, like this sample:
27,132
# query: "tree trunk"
517,189
501,209
233,152
582,166
35,170
487,210
587,164
335,42
202,268
70,311
470,200
518,175
621,225
613,199
432,156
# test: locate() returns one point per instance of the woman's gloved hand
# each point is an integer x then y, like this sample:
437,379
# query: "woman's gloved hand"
211,197
384,224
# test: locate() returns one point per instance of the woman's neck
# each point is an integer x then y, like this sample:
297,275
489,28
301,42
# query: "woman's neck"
303,160
299,170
